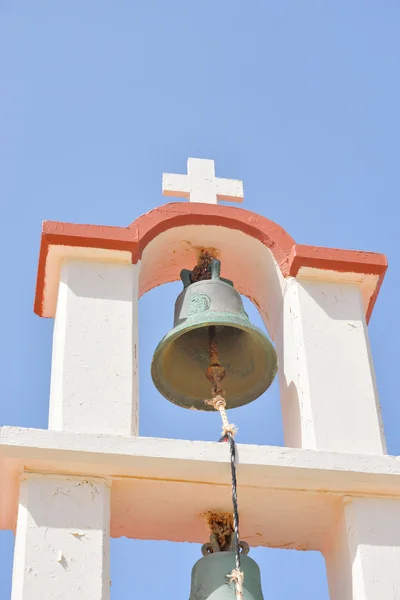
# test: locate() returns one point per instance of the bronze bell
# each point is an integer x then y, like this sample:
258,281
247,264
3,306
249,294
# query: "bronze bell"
182,357
210,575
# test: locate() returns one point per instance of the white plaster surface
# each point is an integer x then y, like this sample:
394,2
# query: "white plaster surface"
94,379
328,389
62,539
201,185
363,555
288,497
55,258
365,281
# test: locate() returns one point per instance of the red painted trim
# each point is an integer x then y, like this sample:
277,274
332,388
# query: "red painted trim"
88,236
179,214
289,256
91,236
41,275
342,261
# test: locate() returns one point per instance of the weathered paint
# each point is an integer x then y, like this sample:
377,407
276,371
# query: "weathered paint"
288,497
62,539
363,551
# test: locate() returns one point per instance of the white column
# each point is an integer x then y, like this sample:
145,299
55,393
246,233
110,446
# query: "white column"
328,391
94,379
62,539
364,557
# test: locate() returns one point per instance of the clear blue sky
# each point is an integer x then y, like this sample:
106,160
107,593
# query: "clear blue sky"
299,99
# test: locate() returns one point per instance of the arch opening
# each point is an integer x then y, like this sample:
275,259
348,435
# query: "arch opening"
245,260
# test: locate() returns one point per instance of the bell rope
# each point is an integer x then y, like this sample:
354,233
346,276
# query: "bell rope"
215,373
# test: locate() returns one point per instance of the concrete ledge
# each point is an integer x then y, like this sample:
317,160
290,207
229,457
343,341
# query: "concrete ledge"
160,487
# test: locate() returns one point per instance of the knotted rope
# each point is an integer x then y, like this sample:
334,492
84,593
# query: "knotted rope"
215,373
228,431
219,403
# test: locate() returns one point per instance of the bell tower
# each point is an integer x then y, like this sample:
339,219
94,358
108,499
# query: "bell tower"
332,488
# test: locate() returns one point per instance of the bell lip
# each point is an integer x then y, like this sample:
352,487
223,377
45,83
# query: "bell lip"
196,322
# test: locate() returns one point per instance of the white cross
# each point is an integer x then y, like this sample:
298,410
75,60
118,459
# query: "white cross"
201,185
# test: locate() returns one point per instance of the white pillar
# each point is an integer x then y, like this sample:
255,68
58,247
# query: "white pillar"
94,379
328,390
62,539
364,557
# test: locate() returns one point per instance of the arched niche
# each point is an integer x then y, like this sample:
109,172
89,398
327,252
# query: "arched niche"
245,260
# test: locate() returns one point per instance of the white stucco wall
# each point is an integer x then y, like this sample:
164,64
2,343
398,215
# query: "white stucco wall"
62,539
364,556
328,389
94,379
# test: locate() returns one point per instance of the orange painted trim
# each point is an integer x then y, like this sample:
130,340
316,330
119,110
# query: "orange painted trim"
341,261
179,214
41,276
289,256
88,236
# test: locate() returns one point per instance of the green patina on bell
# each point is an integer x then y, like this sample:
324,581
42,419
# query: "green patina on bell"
210,581
182,357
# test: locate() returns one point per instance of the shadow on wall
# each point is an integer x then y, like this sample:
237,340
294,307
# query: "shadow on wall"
291,409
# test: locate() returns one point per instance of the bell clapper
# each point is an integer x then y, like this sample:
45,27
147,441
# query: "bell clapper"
215,373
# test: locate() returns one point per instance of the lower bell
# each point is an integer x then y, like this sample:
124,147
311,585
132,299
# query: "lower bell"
182,357
210,581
